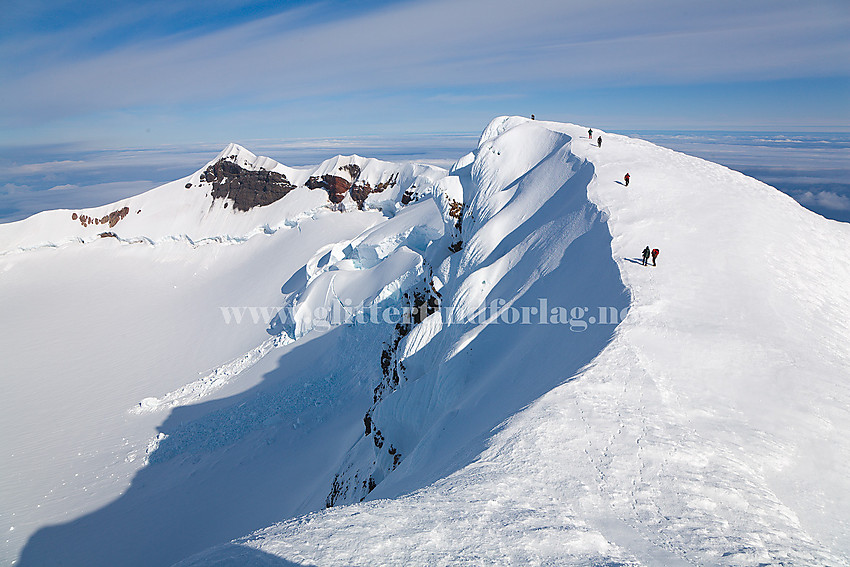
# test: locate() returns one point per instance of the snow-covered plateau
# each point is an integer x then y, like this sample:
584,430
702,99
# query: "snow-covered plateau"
373,363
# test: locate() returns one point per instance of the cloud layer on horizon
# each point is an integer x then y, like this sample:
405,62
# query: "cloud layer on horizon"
811,168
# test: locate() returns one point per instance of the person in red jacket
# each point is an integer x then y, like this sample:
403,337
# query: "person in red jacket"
626,179
655,254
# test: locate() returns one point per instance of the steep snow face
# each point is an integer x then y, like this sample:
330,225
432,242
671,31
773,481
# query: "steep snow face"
712,429
455,376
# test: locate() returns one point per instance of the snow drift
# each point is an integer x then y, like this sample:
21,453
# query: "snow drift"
539,397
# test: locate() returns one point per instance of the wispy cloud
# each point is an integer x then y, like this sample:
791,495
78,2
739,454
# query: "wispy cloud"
45,167
459,98
825,199
453,43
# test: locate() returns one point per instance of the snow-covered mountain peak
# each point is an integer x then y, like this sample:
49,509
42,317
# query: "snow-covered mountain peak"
237,154
236,196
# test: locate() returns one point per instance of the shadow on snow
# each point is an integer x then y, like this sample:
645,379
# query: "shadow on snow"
234,465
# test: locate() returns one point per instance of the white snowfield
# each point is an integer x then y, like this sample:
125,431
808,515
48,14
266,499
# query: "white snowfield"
602,413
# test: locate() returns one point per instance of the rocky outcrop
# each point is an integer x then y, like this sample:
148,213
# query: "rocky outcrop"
359,191
342,490
246,188
111,219
353,484
419,303
336,187
409,196
353,170
456,212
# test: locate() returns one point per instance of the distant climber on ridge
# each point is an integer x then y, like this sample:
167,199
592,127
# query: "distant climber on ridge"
590,133
655,254
532,117
599,141
626,178
646,255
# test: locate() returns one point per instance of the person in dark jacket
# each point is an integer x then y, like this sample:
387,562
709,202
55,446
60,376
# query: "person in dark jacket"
655,254
599,141
532,117
590,133
626,178
646,256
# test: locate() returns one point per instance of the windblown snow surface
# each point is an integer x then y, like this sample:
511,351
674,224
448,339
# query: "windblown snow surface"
560,404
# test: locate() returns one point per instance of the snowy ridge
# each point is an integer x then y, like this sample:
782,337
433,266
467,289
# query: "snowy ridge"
550,401
497,241
698,435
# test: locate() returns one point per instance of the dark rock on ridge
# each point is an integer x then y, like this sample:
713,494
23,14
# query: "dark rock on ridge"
336,187
111,219
246,188
359,191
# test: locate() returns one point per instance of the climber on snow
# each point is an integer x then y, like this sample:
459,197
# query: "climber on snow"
599,141
626,178
590,133
655,254
646,255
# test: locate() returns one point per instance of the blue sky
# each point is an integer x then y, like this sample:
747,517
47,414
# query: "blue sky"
103,99
116,74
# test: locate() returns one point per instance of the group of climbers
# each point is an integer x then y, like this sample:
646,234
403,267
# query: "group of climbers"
647,253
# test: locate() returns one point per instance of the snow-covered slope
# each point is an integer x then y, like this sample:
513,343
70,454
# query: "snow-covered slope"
550,401
101,335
